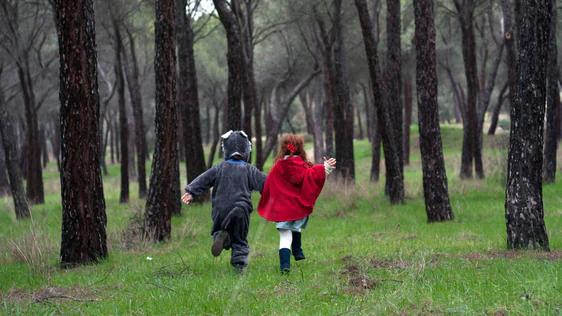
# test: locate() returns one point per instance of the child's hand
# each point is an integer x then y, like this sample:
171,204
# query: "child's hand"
186,198
331,162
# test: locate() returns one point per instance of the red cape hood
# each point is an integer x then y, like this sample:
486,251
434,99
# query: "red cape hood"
290,190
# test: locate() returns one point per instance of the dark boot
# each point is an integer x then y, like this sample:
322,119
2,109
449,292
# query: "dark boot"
218,244
296,246
285,260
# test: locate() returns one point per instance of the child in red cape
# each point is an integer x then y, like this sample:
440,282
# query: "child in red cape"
289,194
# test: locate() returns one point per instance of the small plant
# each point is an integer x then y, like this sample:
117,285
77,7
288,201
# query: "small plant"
32,251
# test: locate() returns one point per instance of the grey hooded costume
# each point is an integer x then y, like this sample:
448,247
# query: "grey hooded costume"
233,182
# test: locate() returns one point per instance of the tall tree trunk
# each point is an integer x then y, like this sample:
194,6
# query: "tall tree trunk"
258,134
396,189
376,140
235,63
34,173
497,108
343,108
436,195
4,182
164,190
368,112
394,76
523,202
303,97
123,124
553,104
84,238
510,51
470,148
188,98
133,82
359,120
319,124
11,157
44,151
408,116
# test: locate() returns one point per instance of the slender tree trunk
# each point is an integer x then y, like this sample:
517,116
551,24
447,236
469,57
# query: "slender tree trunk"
319,124
510,51
553,104
394,76
396,189
368,112
4,182
164,190
359,121
523,202
84,238
235,63
436,195
470,151
188,98
216,137
123,124
408,116
343,107
57,142
303,97
497,108
44,151
141,147
112,141
11,157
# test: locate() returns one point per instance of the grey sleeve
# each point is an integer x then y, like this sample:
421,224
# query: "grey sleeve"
257,179
202,183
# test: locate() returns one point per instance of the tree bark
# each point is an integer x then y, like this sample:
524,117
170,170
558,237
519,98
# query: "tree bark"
343,108
133,83
84,238
396,189
436,195
235,62
394,76
407,117
318,111
509,40
12,162
4,182
163,192
123,124
188,98
470,152
553,104
523,202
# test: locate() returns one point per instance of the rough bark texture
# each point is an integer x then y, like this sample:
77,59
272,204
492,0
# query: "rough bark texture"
163,192
133,82
396,189
470,148
523,202
436,195
123,124
188,98
235,62
343,108
84,237
4,182
553,105
12,162
394,75
318,111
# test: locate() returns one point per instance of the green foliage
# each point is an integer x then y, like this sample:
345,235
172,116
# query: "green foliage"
364,256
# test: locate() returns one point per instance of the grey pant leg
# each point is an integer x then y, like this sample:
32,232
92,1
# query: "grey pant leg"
237,226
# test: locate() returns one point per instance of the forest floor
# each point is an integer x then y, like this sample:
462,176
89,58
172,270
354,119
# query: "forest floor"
364,256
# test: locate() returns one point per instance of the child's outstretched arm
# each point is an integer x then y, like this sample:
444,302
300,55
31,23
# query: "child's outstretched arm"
199,185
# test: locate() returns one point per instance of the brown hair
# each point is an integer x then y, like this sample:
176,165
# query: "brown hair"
298,144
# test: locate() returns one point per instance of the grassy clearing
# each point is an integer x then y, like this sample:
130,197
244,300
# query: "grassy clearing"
364,256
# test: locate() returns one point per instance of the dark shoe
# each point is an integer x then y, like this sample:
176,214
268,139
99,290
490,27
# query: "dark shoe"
285,260
239,267
218,244
296,246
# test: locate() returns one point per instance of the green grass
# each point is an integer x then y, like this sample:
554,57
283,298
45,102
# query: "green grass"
364,256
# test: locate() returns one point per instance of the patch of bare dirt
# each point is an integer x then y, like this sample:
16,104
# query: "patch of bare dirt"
77,294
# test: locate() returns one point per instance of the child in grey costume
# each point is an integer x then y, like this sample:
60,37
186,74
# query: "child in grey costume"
233,181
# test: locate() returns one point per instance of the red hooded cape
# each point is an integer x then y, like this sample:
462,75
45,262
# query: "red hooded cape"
290,190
